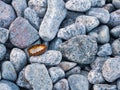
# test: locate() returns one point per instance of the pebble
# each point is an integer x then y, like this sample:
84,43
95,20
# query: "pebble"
61,85
81,49
54,44
105,50
111,69
90,22
71,31
78,82
109,7
40,6
98,3
116,3
18,59
118,84
52,19
101,33
101,13
115,32
49,58
4,33
56,73
7,15
38,77
19,6
7,85
95,77
104,87
32,17
3,51
78,5
65,65
8,71
23,36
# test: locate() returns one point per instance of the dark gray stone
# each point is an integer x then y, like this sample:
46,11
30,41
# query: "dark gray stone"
115,31
109,7
2,51
116,3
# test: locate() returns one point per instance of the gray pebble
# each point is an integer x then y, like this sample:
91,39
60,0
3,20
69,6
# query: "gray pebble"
18,58
78,5
78,82
19,6
52,19
109,7
71,31
23,36
49,58
32,17
95,77
105,50
111,69
116,3
54,44
101,13
104,87
8,71
4,33
40,6
2,51
65,65
98,3
61,85
101,33
115,32
118,84
7,85
56,73
37,75
7,14
81,49
90,22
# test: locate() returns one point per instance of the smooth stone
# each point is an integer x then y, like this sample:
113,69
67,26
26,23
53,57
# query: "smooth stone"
116,3
3,51
109,7
98,3
115,32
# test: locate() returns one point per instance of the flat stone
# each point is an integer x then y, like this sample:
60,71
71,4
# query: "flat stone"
23,36
2,51
37,75
49,58
81,49
115,31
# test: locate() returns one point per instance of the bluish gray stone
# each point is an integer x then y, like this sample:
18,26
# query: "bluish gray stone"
97,3
18,59
2,51
78,82
109,7
38,77
115,31
52,19
90,22
116,3
101,13
118,84
56,73
49,58
7,1
8,71
78,5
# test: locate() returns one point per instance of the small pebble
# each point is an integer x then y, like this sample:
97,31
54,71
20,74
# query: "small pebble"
3,51
115,32
116,3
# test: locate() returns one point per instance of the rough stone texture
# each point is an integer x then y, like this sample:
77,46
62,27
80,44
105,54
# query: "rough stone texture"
7,14
37,75
18,59
105,50
109,7
49,58
116,47
32,17
114,18
101,33
61,85
95,77
7,85
81,49
118,84
65,65
56,73
8,71
52,19
98,3
4,33
40,6
23,36
78,82
104,87
115,31
101,13
111,69
19,6
78,5
71,31
90,22
2,51
116,3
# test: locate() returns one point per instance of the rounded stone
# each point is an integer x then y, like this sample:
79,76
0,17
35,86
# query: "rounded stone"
115,31
116,3
109,7
98,3
2,51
